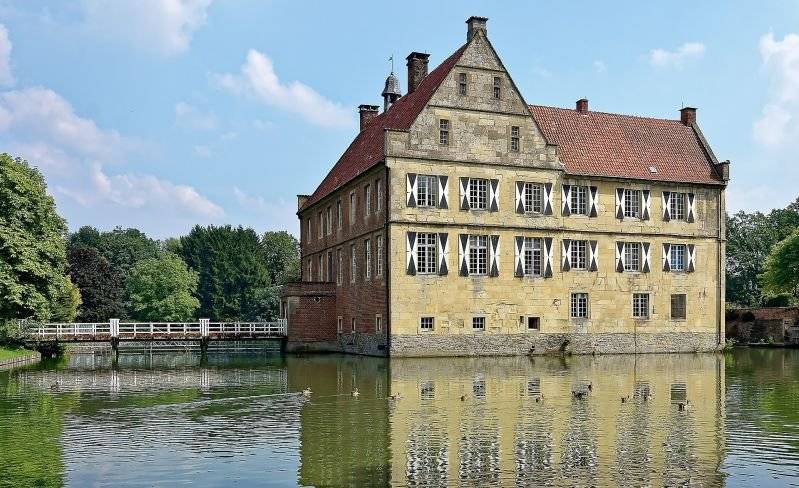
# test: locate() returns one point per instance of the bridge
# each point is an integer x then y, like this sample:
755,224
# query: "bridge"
115,331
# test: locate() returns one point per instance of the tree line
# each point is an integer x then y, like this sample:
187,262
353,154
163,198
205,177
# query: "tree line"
48,274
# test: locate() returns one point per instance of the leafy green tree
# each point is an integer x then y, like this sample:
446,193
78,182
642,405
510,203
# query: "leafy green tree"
234,279
162,289
102,286
781,273
33,265
282,251
123,248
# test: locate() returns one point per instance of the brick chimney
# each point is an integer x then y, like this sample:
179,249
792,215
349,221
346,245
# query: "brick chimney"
367,113
582,105
475,25
688,115
417,70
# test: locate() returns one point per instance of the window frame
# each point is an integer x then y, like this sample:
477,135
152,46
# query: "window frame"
426,253
672,258
481,319
579,255
641,303
367,252
478,255
329,220
379,255
683,309
578,200
353,323
428,198
579,306
515,138
353,263
678,207
443,132
339,325
321,228
533,246
378,322
497,87
340,260
379,196
339,215
633,200
633,251
353,207
478,193
321,271
534,192
427,328
463,86
526,320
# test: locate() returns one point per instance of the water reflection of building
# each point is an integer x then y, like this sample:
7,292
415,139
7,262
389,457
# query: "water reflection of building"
484,422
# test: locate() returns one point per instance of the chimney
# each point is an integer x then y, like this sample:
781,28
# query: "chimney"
367,113
582,105
475,25
417,70
688,115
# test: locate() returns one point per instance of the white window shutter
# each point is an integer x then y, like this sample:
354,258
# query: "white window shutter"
593,195
620,203
620,257
518,256
494,258
565,202
691,205
443,253
666,257
594,257
566,255
493,191
666,203
443,191
691,258
646,253
646,206
410,189
410,253
463,254
548,251
519,197
464,192
548,199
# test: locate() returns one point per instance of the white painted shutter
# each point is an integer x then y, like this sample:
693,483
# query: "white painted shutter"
548,251
646,205
620,257
463,254
594,255
464,192
691,204
565,202
593,195
691,258
494,258
410,189
443,191
493,193
666,204
666,257
548,205
443,253
620,203
410,253
520,197
566,255
518,256
646,253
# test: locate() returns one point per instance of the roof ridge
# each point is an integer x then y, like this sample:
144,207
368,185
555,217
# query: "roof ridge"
614,114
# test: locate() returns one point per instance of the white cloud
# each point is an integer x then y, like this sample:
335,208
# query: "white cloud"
279,214
202,151
600,66
259,80
262,124
664,59
6,76
42,127
190,117
779,121
163,26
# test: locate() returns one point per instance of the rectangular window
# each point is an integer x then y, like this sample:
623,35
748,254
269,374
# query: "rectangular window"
353,264
579,305
678,307
321,225
367,200
367,247
497,87
329,221
579,255
632,203
353,208
309,275
426,191
329,275
514,139
308,233
339,215
379,203
353,325
426,323
426,253
632,256
443,132
677,206
320,271
340,267
530,323
677,262
533,197
379,255
462,84
478,255
579,200
533,256
478,193
478,323
378,323
339,325
641,305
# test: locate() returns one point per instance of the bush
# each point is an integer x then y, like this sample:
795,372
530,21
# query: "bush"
732,314
12,332
748,316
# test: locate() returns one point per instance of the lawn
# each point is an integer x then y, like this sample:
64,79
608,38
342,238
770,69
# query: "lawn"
8,353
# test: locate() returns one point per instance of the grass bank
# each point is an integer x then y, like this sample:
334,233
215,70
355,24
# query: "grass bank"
7,353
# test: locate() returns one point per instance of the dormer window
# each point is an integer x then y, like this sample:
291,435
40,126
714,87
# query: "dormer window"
497,87
462,84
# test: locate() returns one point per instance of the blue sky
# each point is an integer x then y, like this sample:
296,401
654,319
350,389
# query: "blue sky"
160,114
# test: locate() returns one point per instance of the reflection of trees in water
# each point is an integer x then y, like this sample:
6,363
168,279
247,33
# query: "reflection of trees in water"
633,459
533,441
579,447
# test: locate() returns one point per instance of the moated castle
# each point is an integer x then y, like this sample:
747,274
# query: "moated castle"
463,221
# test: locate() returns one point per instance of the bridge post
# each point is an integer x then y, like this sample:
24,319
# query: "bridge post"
113,327
205,333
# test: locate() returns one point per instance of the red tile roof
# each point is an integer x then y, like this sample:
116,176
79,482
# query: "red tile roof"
368,147
602,144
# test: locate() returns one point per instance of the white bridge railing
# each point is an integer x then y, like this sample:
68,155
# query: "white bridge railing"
145,330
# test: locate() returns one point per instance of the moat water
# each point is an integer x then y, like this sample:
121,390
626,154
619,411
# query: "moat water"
172,419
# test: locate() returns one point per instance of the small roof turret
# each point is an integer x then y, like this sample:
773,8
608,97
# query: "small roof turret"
391,92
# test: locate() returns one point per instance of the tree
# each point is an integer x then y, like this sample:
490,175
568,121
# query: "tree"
123,248
234,279
101,285
33,266
162,289
781,273
282,253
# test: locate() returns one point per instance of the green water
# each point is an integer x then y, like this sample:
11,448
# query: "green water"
173,419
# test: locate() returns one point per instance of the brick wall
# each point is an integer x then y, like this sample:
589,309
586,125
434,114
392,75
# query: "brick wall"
772,324
309,308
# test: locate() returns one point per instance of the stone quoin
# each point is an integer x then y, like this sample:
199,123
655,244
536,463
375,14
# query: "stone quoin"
463,221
